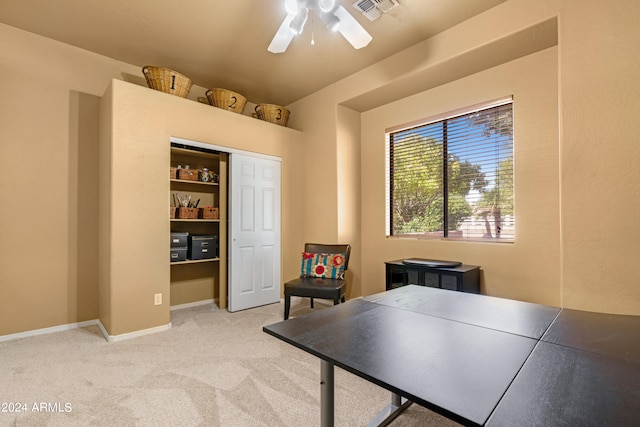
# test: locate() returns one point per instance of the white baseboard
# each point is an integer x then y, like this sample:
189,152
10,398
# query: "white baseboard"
50,330
194,304
95,322
134,334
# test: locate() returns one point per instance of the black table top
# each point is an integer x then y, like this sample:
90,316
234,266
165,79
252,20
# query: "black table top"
516,317
584,372
613,335
478,359
561,385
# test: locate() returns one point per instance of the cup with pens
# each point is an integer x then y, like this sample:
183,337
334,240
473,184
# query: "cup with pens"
186,208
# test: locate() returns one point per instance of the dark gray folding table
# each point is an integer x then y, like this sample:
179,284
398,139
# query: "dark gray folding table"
461,355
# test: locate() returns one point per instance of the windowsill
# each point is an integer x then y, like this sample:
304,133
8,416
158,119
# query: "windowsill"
453,239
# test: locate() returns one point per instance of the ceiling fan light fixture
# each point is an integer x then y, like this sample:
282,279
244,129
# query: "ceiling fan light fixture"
291,6
331,21
326,5
297,24
355,34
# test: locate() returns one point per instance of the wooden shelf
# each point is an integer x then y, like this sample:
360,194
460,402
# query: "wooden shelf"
186,181
195,261
190,152
200,279
194,220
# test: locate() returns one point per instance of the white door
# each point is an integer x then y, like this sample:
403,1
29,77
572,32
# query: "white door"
254,278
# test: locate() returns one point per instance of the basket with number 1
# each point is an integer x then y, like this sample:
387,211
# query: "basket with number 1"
166,80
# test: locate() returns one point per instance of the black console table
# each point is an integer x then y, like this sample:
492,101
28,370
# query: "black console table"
465,278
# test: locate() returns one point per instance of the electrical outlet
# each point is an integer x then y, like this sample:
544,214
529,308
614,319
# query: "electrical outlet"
157,299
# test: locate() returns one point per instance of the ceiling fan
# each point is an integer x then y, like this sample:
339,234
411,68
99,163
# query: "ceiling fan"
334,16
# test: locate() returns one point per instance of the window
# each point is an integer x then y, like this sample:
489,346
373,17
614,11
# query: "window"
452,177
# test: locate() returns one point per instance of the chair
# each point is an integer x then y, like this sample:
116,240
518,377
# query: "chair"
316,287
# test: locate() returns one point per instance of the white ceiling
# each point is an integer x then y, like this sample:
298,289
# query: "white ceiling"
220,43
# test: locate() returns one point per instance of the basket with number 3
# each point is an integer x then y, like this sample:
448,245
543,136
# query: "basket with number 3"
272,113
166,80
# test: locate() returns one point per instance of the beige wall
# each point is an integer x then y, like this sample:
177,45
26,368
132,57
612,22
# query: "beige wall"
348,174
48,167
48,157
576,240
137,226
600,155
532,81
49,154
319,200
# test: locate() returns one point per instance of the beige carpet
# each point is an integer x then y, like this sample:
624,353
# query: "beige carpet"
213,368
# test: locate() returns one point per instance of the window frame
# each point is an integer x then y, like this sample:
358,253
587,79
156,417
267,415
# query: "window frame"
443,117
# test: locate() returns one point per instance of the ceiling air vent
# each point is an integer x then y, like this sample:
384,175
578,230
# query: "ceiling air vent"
374,9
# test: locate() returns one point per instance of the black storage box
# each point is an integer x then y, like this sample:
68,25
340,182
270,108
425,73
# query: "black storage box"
178,254
202,247
179,240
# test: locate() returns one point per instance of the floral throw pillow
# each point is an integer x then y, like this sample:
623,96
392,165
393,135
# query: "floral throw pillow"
326,266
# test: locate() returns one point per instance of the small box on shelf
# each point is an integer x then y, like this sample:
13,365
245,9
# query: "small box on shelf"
202,247
178,254
179,244
179,239
208,213
187,213
188,174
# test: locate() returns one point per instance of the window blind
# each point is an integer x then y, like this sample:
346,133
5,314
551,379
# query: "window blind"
453,177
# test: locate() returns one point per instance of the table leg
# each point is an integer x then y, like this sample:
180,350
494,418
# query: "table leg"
326,394
391,411
327,401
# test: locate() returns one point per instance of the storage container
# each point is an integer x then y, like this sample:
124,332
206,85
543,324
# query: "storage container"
178,254
179,239
202,247
188,174
208,213
187,213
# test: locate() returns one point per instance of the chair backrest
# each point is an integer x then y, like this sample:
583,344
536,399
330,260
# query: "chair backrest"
330,249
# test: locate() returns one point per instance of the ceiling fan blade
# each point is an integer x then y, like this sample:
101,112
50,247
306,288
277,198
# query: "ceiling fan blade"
351,29
283,37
